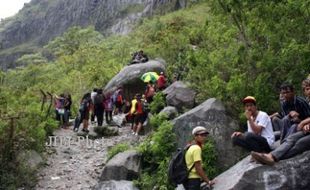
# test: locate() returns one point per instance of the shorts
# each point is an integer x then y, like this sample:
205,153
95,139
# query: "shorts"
139,118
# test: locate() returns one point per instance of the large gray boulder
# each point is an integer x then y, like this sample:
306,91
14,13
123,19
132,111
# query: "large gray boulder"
292,173
170,111
179,95
129,77
210,114
116,185
123,166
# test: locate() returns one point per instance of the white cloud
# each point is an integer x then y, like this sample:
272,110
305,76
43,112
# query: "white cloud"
10,7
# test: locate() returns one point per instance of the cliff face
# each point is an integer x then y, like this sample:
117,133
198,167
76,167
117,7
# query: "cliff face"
42,20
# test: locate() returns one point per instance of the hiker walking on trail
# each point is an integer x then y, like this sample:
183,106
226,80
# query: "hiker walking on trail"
108,106
99,107
85,106
67,107
139,116
259,136
118,101
194,161
93,94
59,102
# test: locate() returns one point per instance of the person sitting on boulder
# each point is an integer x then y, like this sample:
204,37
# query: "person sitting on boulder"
139,57
259,136
294,144
294,109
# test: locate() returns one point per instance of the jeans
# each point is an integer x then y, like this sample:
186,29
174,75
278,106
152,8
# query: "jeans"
294,144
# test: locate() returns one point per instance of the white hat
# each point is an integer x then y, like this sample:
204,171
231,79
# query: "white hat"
199,130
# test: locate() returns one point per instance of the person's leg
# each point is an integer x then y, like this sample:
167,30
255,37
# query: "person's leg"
106,116
288,143
251,142
257,143
277,123
139,126
110,114
99,117
240,141
286,124
300,146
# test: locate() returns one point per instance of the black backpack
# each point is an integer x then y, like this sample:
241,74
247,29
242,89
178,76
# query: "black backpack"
177,170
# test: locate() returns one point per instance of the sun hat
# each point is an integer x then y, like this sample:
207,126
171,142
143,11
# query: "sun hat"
199,130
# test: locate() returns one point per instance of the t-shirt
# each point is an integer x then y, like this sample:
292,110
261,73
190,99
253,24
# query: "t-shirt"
193,154
264,121
133,106
298,104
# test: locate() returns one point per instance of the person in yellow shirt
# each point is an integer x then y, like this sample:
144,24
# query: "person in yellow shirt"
194,161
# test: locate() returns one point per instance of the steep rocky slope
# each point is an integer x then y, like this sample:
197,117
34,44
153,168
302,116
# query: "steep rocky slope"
42,20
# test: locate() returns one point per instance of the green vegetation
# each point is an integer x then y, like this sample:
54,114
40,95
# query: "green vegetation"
157,151
117,149
158,103
225,49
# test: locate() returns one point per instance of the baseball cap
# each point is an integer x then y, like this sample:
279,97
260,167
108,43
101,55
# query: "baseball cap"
249,99
199,130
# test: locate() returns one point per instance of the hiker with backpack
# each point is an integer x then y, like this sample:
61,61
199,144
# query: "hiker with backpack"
193,159
99,107
108,106
186,165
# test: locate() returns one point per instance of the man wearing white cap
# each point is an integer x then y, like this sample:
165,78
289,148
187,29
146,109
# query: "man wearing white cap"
194,161
259,136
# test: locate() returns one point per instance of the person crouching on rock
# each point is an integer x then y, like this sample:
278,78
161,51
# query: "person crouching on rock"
259,136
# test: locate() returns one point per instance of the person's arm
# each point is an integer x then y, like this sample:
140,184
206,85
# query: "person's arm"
257,129
237,133
201,173
303,123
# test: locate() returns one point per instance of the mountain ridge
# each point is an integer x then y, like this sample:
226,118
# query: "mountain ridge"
39,21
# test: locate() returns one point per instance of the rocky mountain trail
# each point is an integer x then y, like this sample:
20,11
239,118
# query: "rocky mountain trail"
76,162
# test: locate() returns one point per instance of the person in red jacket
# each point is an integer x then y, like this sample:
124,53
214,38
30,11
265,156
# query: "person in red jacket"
161,82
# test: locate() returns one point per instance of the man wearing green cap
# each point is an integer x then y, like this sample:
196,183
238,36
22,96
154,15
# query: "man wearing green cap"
259,136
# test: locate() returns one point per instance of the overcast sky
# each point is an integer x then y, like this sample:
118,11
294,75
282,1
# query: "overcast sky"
10,7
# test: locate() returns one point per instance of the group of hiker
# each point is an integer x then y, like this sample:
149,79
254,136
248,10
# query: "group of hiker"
99,105
292,122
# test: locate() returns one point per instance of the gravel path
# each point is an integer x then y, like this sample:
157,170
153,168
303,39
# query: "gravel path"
79,165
